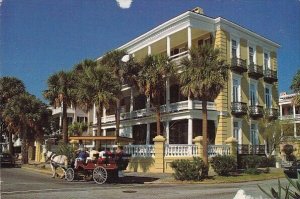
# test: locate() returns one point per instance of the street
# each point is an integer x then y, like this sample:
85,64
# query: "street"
20,183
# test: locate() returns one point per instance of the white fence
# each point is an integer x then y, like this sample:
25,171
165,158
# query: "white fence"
180,150
140,150
176,150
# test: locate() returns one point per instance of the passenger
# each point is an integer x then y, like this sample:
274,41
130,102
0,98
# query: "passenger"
82,155
119,161
101,153
93,154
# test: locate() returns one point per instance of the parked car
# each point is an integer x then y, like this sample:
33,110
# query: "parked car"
291,171
7,159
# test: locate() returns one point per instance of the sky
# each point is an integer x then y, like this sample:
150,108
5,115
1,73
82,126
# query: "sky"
41,37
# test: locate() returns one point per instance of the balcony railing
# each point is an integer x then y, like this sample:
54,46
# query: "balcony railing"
173,107
238,65
239,108
256,111
290,117
270,76
255,71
245,149
271,113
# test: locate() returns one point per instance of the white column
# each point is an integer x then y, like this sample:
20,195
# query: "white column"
148,104
295,129
60,120
189,37
168,94
167,132
148,134
104,115
131,99
104,132
294,111
149,50
168,46
190,103
190,130
280,106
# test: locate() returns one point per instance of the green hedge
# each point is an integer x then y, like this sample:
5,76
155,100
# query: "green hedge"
224,164
188,169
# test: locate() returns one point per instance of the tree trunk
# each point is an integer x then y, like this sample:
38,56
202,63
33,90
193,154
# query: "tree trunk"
65,123
117,116
158,120
204,134
10,143
99,115
24,147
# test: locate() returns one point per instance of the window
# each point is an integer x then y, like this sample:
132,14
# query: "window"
234,49
253,101
236,90
251,55
237,131
254,135
266,61
206,41
268,97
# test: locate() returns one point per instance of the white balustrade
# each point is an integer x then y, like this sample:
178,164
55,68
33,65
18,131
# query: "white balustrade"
140,150
214,150
181,150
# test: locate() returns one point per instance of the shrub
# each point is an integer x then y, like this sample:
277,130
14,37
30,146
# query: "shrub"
252,171
251,161
188,169
267,161
223,165
67,150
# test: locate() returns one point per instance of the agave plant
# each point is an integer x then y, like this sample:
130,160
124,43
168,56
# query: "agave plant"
285,190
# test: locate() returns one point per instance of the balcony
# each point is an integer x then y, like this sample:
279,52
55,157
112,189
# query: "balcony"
238,65
256,111
270,76
238,108
255,71
271,113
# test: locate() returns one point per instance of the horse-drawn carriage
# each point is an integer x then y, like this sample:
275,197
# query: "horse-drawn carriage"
101,169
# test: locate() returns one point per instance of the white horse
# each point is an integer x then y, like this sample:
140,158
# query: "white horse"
57,161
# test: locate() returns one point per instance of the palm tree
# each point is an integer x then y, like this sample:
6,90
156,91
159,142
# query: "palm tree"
10,88
25,113
113,60
97,86
151,80
204,76
61,92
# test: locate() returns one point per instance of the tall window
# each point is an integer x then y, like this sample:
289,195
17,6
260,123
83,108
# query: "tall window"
254,134
233,48
236,90
268,98
252,94
266,61
251,55
237,132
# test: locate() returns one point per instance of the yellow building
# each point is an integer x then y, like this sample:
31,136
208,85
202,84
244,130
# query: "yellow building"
251,92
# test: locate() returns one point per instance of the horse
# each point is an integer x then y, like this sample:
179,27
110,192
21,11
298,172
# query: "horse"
57,161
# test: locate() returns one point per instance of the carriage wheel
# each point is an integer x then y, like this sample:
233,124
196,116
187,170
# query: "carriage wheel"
100,175
70,174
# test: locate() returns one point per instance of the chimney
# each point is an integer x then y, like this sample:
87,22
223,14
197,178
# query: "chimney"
198,10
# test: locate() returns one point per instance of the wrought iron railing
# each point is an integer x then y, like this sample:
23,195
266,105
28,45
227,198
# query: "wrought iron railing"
239,108
255,71
238,65
245,149
256,111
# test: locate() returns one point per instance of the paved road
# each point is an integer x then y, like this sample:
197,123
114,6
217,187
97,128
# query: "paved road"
19,183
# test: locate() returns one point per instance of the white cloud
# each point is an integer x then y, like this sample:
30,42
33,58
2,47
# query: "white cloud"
1,2
124,4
